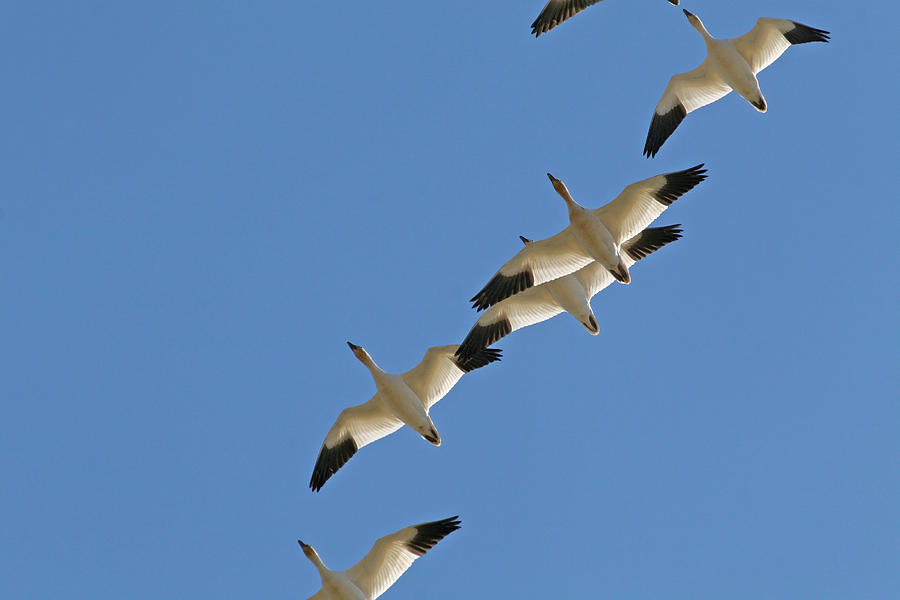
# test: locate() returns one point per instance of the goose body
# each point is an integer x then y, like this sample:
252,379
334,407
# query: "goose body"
570,293
388,559
400,399
730,64
557,11
592,235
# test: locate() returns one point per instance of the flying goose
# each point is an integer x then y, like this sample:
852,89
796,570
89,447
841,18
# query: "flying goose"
557,11
730,64
388,559
400,398
570,293
592,235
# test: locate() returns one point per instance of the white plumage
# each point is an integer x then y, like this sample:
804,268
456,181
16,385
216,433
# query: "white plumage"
592,235
730,64
388,559
404,398
570,293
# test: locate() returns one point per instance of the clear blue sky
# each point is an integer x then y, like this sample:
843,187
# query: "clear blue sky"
202,202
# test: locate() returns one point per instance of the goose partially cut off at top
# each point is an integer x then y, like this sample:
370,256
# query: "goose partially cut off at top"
388,559
592,235
557,11
401,398
730,64
570,293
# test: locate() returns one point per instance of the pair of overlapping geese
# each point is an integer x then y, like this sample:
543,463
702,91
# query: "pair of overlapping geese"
547,277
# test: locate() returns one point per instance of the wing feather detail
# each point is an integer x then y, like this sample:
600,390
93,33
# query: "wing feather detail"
536,263
440,369
393,554
641,203
355,427
769,38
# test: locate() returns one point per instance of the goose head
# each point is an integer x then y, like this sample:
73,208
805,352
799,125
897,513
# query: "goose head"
309,551
360,352
695,21
561,189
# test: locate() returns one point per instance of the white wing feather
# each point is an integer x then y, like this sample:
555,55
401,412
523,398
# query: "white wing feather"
693,89
634,209
526,308
762,45
393,554
435,375
365,423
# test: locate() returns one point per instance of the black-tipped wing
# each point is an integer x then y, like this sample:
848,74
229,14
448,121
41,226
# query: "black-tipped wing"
440,369
557,11
526,308
641,203
685,92
595,278
769,38
393,554
355,427
536,263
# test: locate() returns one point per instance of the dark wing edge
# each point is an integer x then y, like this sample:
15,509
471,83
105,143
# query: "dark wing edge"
661,127
802,34
482,336
679,183
501,287
555,13
652,239
429,534
480,357
330,460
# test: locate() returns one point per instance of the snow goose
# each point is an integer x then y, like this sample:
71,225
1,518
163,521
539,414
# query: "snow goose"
570,293
388,559
730,64
557,11
400,398
592,235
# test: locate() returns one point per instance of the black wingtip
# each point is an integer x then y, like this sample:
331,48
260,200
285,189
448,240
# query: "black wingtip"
652,239
429,534
478,358
679,183
501,287
801,34
330,460
661,127
482,336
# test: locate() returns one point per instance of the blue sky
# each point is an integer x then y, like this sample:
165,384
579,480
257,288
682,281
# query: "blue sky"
203,202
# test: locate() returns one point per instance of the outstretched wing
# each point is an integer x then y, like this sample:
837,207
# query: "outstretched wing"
769,38
641,203
440,369
557,11
393,554
686,92
525,308
355,427
595,277
536,263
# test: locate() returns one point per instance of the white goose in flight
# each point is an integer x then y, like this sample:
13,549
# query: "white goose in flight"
388,559
400,398
592,235
570,293
557,11
730,64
